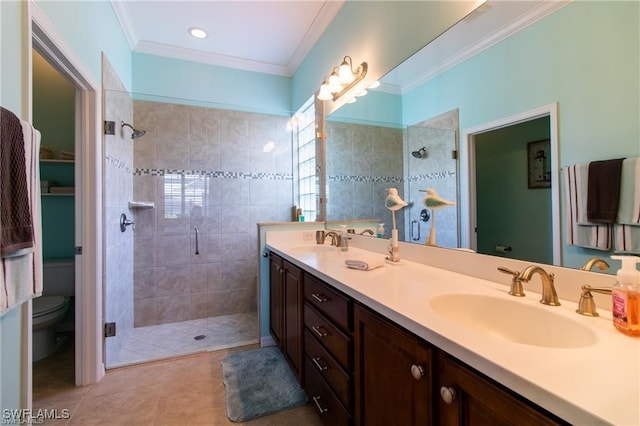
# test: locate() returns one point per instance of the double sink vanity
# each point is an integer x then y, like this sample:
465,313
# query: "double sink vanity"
419,342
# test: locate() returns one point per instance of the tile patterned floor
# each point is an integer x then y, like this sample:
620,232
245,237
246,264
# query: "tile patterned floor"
162,341
181,391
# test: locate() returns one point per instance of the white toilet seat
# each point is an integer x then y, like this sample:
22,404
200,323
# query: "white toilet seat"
47,304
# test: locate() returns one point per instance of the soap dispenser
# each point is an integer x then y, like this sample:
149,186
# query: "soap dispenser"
344,238
625,297
380,231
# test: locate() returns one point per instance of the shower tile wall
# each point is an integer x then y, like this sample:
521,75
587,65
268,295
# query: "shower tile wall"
437,170
118,191
363,161
204,168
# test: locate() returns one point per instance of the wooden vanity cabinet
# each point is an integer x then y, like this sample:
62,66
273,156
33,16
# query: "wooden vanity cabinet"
285,311
328,320
358,367
465,397
276,295
393,373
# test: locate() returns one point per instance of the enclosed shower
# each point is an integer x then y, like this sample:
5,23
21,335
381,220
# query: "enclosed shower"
199,182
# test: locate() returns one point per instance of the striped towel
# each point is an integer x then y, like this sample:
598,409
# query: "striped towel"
626,237
580,232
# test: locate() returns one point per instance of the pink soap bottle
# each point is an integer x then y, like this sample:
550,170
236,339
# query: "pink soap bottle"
625,297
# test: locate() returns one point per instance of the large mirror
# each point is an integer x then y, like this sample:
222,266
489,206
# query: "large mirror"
505,60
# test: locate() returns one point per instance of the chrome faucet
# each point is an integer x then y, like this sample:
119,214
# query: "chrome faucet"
367,231
335,238
595,261
549,295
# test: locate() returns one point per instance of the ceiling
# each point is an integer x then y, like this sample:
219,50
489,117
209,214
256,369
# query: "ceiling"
257,35
273,37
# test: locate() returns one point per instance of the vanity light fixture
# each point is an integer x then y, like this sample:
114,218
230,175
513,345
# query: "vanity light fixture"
197,32
341,79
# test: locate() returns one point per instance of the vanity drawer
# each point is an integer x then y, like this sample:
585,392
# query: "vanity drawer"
328,368
329,301
323,399
330,337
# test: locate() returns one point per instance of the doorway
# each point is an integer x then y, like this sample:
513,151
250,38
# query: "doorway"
484,204
54,113
45,39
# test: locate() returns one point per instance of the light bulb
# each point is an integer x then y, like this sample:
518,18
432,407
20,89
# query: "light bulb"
325,94
345,74
334,83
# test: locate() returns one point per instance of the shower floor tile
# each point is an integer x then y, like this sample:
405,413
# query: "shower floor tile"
162,341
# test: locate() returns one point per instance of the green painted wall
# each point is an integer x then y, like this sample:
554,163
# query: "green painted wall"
586,57
11,76
54,116
508,212
195,83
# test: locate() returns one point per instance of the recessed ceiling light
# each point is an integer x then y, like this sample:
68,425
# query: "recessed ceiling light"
197,32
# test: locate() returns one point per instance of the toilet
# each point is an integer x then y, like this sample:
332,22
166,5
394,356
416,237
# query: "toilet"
58,282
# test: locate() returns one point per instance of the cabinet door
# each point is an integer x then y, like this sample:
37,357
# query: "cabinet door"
392,373
276,295
293,325
467,398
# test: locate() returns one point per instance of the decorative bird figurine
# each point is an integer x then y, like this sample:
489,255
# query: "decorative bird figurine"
433,201
393,201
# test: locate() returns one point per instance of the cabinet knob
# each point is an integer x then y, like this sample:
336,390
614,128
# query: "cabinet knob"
417,371
448,394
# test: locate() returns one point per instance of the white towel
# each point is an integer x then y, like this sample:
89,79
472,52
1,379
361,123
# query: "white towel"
21,273
365,262
626,239
626,235
629,210
580,232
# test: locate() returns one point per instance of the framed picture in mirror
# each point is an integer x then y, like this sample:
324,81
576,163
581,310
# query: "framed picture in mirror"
539,164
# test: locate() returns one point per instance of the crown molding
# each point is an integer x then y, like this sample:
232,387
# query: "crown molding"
328,11
543,10
126,23
160,49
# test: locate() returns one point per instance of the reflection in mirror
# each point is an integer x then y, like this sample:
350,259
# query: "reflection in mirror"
514,216
434,169
363,161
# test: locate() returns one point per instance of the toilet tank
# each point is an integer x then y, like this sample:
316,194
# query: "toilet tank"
58,277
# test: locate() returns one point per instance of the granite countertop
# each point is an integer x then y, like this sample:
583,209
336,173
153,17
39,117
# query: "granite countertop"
592,383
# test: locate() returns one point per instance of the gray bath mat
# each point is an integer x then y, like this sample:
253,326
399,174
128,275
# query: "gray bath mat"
259,382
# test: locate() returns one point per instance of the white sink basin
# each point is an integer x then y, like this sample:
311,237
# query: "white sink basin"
314,248
514,320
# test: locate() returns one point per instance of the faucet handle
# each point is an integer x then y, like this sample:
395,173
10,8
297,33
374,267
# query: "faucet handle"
586,305
516,282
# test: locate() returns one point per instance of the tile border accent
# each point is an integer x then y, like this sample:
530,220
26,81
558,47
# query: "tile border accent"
434,176
213,174
392,179
117,163
373,179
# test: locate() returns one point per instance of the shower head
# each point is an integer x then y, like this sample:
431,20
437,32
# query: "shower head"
136,133
421,153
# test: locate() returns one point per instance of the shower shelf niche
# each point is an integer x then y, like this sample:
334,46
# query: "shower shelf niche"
141,204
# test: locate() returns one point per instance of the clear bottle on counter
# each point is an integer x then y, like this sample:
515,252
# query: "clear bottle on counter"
344,238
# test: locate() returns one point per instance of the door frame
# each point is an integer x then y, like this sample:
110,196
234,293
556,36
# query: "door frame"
40,33
468,206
